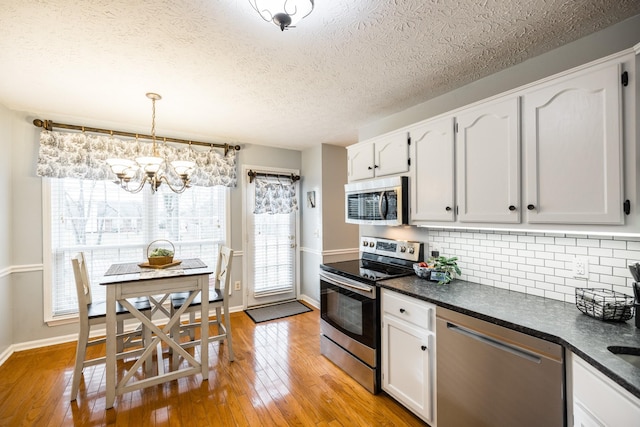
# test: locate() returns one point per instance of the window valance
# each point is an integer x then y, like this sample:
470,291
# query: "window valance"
82,155
275,196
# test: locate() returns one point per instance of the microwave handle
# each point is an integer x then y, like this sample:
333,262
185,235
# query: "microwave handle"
385,198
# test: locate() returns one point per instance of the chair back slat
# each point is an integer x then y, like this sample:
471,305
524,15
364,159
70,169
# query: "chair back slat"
223,270
83,285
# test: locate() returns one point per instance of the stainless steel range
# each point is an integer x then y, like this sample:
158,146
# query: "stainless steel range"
350,305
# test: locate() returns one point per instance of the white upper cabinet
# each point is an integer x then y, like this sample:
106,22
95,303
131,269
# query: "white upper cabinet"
432,187
573,149
360,161
488,163
382,156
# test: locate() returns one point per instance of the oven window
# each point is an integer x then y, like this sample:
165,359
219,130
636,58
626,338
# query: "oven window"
344,312
350,313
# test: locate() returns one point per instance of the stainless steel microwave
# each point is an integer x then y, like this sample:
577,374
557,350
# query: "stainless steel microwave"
378,202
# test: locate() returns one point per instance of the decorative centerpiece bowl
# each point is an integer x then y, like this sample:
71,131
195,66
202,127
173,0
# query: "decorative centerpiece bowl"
159,255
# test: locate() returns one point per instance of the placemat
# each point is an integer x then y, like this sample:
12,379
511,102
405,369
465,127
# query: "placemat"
132,267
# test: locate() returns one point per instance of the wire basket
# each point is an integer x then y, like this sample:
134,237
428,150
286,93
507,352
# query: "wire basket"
605,304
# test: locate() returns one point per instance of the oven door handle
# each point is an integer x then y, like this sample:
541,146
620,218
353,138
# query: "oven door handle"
344,282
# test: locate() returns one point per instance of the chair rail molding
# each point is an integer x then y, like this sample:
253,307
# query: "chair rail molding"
25,268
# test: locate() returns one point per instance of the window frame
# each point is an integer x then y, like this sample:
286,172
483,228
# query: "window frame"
47,253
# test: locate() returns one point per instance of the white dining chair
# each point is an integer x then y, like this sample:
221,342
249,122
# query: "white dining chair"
94,313
219,296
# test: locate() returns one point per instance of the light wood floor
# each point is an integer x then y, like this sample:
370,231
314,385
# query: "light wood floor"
278,378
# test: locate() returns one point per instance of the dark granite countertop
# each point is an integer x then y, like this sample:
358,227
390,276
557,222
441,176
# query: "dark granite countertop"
548,319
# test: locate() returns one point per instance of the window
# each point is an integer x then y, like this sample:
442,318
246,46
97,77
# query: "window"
111,225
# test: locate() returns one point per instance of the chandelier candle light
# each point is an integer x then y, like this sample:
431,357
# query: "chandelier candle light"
284,13
126,169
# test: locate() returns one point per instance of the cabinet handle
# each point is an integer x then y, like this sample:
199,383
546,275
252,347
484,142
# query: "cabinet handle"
375,166
402,310
369,168
424,348
512,208
448,208
531,207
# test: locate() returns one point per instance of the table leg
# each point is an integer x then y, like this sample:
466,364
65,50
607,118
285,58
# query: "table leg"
204,329
111,346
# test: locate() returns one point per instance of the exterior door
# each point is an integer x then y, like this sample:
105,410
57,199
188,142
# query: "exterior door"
271,258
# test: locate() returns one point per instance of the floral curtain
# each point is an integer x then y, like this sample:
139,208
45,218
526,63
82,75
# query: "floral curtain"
81,155
275,196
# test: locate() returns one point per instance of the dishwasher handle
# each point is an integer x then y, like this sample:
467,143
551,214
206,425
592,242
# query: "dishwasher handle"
500,345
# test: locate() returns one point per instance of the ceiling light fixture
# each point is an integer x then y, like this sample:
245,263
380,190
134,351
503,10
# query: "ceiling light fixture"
152,166
284,13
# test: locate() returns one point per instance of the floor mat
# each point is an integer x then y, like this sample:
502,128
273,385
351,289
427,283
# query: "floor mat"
277,311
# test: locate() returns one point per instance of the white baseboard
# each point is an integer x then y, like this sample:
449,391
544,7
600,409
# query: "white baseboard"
312,302
4,356
62,339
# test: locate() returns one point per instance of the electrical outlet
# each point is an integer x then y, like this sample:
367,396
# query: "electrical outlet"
580,267
236,286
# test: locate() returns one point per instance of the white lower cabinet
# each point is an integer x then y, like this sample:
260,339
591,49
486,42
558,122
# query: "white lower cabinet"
597,401
408,353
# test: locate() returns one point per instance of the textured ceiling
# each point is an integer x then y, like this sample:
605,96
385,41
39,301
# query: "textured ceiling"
225,75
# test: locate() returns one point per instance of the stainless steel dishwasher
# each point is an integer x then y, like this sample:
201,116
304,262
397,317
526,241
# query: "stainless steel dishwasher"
488,375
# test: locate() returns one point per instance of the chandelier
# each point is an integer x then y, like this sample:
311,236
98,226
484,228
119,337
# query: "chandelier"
284,13
151,167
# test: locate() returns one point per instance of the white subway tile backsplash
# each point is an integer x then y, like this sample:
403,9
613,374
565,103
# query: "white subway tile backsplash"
633,255
614,244
539,263
588,242
577,250
601,252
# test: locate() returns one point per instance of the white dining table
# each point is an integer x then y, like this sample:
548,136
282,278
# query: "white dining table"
155,284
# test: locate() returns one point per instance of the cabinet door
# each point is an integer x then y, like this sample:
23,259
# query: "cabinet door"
392,154
406,374
573,150
360,161
432,189
488,163
598,399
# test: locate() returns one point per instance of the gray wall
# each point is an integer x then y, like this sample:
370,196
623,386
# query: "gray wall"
325,236
21,227
606,42
311,230
6,148
337,234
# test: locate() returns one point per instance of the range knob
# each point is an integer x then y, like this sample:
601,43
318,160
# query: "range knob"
371,244
365,243
412,250
403,249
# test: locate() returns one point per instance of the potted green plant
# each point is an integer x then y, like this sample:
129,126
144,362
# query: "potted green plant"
444,268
